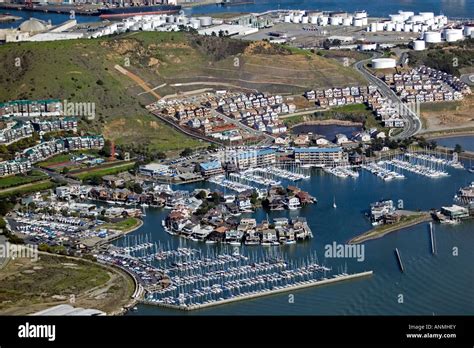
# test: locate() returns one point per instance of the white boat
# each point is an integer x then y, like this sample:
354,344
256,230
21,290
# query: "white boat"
211,242
334,203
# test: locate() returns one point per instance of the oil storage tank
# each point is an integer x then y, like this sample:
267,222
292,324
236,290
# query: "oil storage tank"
383,63
432,37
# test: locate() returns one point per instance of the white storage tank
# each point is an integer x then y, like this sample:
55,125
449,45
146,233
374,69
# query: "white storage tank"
373,27
205,21
398,27
398,18
406,14
195,23
360,14
297,19
389,26
358,23
452,35
380,26
335,20
313,19
419,45
468,29
170,19
365,21
408,27
347,21
432,37
425,28
427,15
287,19
383,63
305,20
417,19
416,28
323,21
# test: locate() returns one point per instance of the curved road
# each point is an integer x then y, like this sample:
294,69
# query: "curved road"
412,120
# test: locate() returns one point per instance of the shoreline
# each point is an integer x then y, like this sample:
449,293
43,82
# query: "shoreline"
451,135
375,234
264,293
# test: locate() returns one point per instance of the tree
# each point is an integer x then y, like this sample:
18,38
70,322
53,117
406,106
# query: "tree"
186,152
458,148
107,149
433,145
65,170
95,180
137,188
201,195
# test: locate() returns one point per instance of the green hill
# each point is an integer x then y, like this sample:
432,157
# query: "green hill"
83,71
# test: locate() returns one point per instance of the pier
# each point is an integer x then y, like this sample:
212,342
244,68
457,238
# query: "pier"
400,263
258,294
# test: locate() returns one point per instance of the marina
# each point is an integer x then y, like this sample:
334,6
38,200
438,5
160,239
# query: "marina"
342,172
198,283
248,177
381,170
281,173
431,171
221,180
424,158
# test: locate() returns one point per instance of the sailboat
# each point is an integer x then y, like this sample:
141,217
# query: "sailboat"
334,203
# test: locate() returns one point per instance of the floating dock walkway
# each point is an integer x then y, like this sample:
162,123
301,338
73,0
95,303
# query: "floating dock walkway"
302,285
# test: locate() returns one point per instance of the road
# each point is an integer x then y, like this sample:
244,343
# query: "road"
412,120
468,79
58,176
268,139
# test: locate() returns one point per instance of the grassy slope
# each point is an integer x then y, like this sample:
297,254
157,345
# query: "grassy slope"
26,289
83,71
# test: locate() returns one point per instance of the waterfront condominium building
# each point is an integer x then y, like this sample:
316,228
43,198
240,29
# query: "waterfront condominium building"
244,159
320,156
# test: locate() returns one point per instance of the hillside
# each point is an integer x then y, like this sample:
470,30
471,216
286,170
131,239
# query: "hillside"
83,71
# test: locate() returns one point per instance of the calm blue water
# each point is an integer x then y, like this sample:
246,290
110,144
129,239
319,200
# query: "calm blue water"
466,142
440,284
55,18
451,8
328,131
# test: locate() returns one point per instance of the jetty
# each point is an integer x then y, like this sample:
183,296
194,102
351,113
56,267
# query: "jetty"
262,293
399,258
432,238
380,231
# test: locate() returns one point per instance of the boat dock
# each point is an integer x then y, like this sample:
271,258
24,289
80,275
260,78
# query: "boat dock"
257,294
400,263
432,238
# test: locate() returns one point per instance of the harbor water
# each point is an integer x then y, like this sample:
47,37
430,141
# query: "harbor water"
450,8
466,142
438,284
328,131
